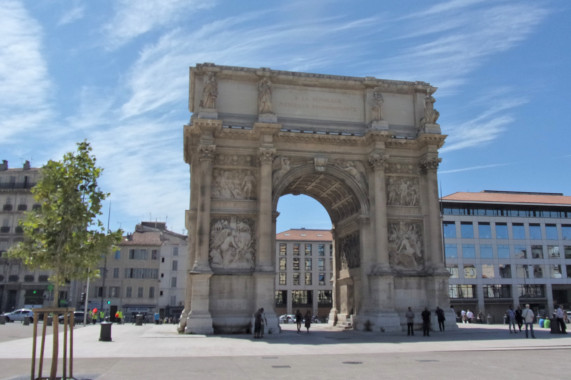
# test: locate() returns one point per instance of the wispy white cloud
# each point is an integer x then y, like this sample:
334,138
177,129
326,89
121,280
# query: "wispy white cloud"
471,168
73,14
134,18
24,81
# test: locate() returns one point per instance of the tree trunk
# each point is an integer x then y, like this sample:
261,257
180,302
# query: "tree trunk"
55,323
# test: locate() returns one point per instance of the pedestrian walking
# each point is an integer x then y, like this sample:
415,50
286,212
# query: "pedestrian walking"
425,322
528,318
409,322
308,320
560,315
441,318
298,320
511,319
518,317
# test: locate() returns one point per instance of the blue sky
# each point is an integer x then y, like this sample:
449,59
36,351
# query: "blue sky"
116,73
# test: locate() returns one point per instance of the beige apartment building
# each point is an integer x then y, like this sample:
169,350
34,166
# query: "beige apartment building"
19,286
146,275
304,260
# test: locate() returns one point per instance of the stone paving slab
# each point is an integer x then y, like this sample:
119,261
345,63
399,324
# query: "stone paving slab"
159,352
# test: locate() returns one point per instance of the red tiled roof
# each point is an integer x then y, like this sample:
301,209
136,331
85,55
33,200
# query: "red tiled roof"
305,235
510,197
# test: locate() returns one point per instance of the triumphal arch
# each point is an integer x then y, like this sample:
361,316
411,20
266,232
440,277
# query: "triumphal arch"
365,148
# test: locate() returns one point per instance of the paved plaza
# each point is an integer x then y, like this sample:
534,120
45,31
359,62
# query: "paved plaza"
158,352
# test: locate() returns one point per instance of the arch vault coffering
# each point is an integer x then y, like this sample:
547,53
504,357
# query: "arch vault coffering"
365,148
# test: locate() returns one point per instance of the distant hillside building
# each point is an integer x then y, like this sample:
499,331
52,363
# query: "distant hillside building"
507,248
19,286
304,260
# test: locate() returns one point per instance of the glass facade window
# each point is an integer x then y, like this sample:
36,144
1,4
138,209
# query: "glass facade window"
467,230
486,251
462,291
522,271
283,263
307,278
301,298
488,271
520,252
567,250
502,231
308,265
531,291
497,291
518,231
503,251
553,252
283,249
484,231
555,271
468,251
321,264
283,278
535,232
449,229
505,270
453,269
295,263
538,271
308,249
537,252
470,271
324,298
551,232
321,278
281,297
566,232
451,251
568,268
129,292
296,249
296,279
140,292
321,249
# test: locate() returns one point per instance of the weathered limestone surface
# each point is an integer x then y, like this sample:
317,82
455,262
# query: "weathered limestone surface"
366,148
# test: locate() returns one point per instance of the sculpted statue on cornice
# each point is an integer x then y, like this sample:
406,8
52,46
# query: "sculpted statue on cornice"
209,91
430,113
402,191
405,245
377,106
264,96
281,166
356,169
349,249
232,243
234,184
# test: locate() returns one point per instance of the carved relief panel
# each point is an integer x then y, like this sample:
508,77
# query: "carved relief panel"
406,245
232,243
349,249
234,184
402,191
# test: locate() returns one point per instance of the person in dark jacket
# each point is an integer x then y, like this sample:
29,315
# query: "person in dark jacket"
441,318
425,322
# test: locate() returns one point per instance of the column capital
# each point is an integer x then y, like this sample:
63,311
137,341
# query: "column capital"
429,163
266,155
378,159
206,152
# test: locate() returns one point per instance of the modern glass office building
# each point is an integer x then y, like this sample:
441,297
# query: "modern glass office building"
507,248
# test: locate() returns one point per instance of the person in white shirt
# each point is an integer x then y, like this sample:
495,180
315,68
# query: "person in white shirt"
528,317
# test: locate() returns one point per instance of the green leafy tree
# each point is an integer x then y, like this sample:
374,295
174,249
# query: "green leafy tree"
65,235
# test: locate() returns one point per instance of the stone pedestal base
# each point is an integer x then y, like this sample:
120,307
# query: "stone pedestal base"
378,322
207,113
199,324
267,118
